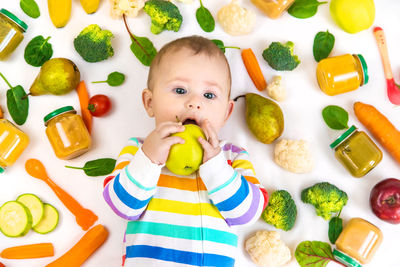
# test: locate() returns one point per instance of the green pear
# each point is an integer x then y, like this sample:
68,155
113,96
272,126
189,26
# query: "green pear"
264,118
57,76
186,158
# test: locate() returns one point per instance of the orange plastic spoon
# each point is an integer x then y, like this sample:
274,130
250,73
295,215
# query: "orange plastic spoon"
84,217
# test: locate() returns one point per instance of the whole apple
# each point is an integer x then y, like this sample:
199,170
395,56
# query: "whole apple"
186,158
385,200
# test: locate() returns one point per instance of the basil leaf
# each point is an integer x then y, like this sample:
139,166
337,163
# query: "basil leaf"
303,9
205,19
114,79
98,167
335,228
313,253
220,44
17,104
38,51
335,117
323,45
30,8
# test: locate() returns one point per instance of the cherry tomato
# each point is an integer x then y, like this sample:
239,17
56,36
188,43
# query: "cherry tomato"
99,105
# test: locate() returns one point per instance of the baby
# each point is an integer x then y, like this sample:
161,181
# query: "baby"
185,220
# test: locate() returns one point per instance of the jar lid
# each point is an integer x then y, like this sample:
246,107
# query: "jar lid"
2,169
343,137
14,18
58,112
364,67
346,260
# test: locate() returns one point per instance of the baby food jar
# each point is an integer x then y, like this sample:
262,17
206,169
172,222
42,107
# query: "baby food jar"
357,243
341,74
356,151
67,133
13,142
273,8
11,32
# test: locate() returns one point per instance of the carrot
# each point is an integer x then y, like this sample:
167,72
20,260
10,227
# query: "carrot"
2,265
380,127
84,102
1,113
39,250
82,250
253,69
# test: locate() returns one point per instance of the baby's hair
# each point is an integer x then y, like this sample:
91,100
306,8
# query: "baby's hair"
195,43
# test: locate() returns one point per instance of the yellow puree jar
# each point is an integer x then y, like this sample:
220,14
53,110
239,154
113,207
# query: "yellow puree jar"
357,152
11,32
13,142
67,133
341,74
273,8
357,243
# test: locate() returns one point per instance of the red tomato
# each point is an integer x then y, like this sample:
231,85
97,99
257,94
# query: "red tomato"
99,105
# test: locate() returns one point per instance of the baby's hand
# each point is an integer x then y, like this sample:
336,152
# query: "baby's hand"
211,145
158,143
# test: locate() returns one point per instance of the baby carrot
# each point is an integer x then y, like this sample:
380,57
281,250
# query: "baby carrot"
380,127
253,69
84,102
39,250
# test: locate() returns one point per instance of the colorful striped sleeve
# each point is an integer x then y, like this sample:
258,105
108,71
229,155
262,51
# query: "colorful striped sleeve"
133,182
234,190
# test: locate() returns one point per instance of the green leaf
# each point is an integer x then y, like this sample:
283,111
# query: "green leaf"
38,51
335,228
17,104
98,167
323,45
220,44
114,79
335,117
313,254
30,8
205,19
303,9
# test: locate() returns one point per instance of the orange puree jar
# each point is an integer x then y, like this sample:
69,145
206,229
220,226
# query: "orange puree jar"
341,74
273,8
13,142
67,133
357,243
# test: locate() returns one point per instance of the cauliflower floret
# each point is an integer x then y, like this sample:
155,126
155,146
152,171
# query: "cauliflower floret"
276,90
267,249
294,156
130,8
236,20
183,1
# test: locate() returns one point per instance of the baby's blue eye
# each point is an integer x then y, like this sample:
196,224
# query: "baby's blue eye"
180,91
209,95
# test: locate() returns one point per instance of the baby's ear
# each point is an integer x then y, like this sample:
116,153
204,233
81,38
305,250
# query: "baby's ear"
147,99
229,110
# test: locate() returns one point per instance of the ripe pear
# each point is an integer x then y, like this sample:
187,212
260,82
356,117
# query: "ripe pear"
264,118
57,76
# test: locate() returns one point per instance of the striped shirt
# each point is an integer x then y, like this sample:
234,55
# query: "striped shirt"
183,220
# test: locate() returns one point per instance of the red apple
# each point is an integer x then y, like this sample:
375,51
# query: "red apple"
385,200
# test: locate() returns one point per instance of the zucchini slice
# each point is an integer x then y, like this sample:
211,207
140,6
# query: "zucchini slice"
35,206
49,220
15,219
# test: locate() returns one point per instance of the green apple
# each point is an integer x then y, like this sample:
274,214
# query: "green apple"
186,158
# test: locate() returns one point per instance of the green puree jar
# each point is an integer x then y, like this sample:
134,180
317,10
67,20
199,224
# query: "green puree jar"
11,32
357,152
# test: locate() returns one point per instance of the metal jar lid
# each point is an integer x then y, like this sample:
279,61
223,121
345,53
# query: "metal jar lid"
343,136
14,18
57,112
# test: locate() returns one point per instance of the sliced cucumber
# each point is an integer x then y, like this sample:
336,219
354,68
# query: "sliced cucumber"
15,219
49,220
35,206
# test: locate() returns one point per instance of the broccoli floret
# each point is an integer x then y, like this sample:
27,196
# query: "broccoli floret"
281,210
280,56
164,16
326,198
94,44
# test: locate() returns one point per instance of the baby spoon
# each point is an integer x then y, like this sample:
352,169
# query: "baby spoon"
393,89
84,217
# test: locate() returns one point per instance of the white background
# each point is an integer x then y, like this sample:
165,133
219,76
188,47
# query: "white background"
302,111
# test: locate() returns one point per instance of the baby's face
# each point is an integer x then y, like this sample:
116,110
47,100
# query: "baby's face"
191,88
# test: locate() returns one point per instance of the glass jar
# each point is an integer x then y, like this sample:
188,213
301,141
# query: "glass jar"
357,243
273,8
356,151
11,32
13,142
67,133
341,74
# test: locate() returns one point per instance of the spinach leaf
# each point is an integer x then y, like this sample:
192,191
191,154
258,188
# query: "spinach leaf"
98,167
303,9
221,45
335,117
323,45
38,51
114,79
205,19
313,253
335,228
30,8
